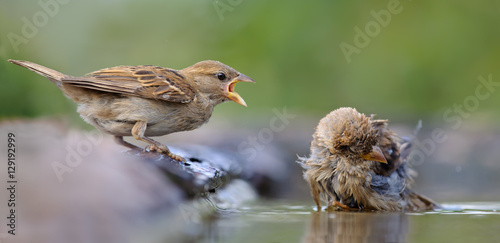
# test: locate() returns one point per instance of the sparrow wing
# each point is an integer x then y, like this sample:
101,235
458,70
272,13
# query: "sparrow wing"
395,150
393,179
144,81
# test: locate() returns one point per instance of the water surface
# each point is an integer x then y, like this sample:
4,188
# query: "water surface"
298,222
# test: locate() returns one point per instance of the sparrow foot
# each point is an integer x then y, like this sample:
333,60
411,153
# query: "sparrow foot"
164,150
341,205
138,131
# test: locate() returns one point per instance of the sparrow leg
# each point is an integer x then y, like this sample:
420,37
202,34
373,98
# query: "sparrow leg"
343,206
138,132
315,193
119,140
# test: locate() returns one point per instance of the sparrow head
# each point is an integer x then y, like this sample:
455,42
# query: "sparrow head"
351,135
217,80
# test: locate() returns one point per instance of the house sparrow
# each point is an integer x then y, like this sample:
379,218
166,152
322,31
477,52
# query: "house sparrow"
145,101
357,163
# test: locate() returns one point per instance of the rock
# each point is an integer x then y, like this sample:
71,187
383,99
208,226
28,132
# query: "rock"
76,186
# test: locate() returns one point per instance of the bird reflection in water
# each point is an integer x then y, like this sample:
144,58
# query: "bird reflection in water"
357,227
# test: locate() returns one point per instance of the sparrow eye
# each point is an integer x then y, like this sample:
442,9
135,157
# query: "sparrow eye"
221,76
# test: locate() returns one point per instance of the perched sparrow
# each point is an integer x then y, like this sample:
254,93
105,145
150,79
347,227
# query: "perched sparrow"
145,101
357,163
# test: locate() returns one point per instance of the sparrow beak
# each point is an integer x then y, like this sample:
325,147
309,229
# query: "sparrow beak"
229,90
375,155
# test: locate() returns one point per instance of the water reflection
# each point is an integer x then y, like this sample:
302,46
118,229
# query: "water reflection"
283,222
357,227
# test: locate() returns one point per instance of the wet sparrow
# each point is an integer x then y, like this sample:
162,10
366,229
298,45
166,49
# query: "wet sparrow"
357,163
145,101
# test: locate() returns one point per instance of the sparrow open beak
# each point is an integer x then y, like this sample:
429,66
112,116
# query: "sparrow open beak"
375,155
230,94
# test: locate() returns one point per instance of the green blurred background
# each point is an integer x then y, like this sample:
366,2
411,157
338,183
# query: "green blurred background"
426,59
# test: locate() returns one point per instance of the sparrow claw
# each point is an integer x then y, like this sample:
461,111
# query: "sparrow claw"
341,205
176,157
164,150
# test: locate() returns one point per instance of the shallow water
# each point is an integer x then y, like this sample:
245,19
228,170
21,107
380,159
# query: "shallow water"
295,222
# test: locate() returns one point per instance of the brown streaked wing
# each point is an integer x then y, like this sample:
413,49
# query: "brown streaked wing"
144,81
391,146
